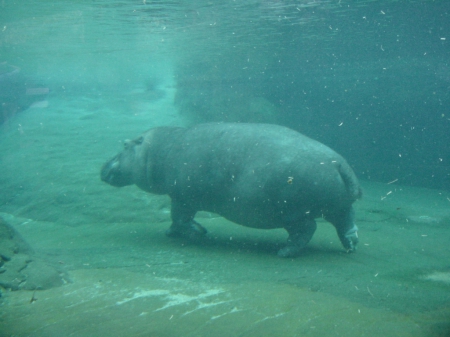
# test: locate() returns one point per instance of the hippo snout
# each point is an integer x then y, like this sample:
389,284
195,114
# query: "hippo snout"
107,171
112,174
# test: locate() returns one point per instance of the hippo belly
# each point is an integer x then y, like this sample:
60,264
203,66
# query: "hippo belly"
256,175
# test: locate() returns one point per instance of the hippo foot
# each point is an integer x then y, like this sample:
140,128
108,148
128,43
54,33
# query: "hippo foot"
192,231
350,240
290,251
297,240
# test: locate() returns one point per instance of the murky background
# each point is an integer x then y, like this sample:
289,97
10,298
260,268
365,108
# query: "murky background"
370,79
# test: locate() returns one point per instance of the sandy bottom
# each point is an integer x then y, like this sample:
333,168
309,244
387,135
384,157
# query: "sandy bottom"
129,279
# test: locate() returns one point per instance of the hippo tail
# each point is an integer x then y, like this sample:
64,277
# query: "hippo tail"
354,190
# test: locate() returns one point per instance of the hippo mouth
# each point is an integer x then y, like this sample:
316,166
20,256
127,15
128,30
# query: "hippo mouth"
107,172
111,173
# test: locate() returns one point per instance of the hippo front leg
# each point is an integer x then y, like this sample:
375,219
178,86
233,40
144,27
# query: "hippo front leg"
183,223
299,236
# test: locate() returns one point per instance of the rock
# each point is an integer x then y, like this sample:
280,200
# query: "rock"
21,268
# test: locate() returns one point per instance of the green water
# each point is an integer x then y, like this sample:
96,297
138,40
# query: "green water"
368,78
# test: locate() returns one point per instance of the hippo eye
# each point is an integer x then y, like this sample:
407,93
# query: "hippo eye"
126,143
139,141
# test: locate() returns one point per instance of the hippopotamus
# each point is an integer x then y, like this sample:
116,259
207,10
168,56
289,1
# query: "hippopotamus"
256,175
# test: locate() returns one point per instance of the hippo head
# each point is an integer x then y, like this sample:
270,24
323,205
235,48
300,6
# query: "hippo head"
127,167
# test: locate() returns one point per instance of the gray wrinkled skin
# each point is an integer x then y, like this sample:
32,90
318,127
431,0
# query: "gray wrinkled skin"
256,175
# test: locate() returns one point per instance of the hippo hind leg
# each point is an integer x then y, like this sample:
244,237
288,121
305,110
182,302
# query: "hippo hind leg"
183,223
299,236
346,228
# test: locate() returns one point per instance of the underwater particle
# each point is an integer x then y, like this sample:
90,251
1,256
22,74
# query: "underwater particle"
423,219
438,276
